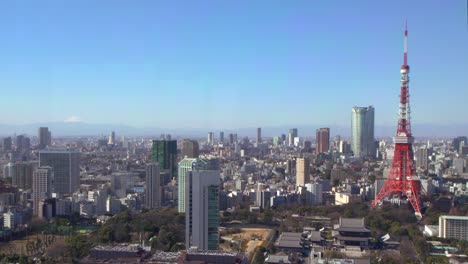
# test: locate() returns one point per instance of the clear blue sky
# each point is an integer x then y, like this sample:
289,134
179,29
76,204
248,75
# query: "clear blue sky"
227,64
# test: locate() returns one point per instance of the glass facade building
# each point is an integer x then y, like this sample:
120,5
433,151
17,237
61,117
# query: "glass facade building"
66,166
164,152
202,205
362,131
185,166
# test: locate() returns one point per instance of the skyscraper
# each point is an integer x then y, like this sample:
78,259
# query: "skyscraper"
202,205
185,166
259,135
22,176
66,166
7,143
291,136
231,138
111,138
190,148
23,143
302,171
210,138
323,140
221,137
44,137
362,131
42,186
422,158
153,190
165,153
456,142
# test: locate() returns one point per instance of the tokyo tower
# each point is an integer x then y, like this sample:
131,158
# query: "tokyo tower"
402,178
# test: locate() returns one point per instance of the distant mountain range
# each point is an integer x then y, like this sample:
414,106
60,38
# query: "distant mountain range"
86,129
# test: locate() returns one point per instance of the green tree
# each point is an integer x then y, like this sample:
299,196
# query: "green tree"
267,217
79,245
104,234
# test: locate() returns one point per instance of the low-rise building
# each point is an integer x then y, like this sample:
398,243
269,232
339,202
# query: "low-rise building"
352,232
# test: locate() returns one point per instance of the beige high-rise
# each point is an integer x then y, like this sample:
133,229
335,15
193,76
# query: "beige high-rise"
302,171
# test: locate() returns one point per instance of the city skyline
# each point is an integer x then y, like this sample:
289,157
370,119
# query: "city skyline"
233,59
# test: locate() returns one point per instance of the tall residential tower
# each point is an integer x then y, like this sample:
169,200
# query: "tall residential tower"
362,131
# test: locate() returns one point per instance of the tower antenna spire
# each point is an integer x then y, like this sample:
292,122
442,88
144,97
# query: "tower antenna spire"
405,56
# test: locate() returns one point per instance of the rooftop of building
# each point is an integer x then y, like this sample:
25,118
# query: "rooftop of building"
166,257
453,217
290,240
352,225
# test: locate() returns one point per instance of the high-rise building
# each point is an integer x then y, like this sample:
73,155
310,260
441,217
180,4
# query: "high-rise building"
111,138
7,144
165,152
259,135
202,205
190,148
23,143
458,141
291,136
153,190
302,171
453,227
210,138
344,147
422,158
22,176
323,140
314,193
45,139
66,166
42,186
221,137
362,132
185,166
121,181
231,138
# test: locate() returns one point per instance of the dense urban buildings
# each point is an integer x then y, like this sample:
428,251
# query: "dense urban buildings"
66,166
362,132
247,198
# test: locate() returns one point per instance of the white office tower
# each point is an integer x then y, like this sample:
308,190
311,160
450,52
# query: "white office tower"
66,166
314,193
111,138
210,138
362,132
43,178
202,205
185,166
153,186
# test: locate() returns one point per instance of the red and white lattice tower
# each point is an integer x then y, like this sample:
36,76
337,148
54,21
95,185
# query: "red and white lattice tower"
402,178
